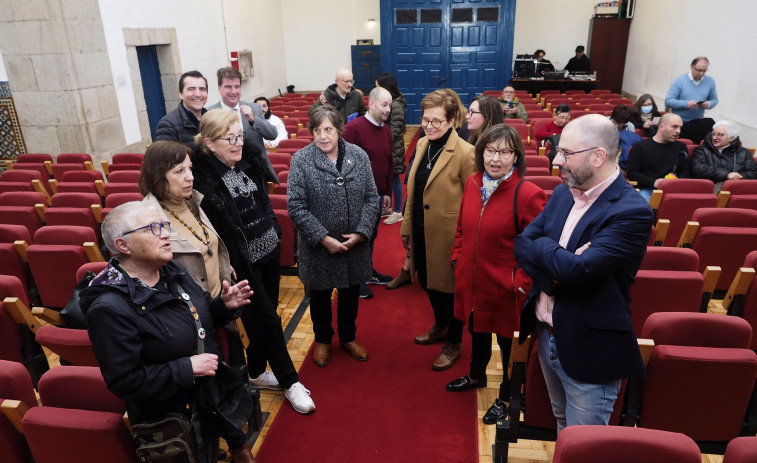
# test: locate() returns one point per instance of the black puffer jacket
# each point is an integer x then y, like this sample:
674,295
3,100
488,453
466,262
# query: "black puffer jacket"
352,103
143,337
707,162
179,126
397,124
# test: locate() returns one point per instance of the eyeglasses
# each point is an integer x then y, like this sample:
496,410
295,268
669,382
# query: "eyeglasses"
565,154
718,135
435,124
156,228
503,153
471,112
700,70
234,139
347,81
562,118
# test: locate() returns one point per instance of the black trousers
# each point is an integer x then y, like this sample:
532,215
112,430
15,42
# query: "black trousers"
346,313
263,326
443,304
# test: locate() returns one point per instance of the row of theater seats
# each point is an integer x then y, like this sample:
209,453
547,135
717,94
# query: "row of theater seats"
700,380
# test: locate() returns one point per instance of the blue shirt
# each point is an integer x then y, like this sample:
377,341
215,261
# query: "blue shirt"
683,90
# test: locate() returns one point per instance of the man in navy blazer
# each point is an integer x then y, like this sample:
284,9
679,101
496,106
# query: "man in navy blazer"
582,253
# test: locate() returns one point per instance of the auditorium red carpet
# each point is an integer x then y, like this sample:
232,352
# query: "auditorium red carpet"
391,408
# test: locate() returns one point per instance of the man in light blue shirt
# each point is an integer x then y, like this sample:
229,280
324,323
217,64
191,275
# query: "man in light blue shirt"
689,96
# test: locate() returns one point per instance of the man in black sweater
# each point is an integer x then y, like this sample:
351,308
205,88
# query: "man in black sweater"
651,160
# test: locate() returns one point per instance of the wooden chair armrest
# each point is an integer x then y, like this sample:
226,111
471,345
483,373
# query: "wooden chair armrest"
633,183
661,231
733,300
711,276
38,187
53,185
646,346
106,167
271,186
93,252
688,234
127,422
89,166
723,198
655,199
542,151
40,208
100,185
15,410
8,165
21,246
242,333
50,316
556,171
97,211
21,314
49,167
518,352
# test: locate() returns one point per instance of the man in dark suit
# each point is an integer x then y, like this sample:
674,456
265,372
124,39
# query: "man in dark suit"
251,117
582,253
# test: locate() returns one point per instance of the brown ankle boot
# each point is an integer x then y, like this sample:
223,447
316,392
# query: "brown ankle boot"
400,280
242,455
448,356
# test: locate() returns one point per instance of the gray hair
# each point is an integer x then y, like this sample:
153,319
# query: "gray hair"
597,130
729,127
122,219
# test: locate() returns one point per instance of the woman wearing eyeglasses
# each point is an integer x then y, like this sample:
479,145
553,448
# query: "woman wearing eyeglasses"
484,112
331,198
489,290
146,318
443,162
236,203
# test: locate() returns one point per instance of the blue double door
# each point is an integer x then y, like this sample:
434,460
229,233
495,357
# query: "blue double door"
465,45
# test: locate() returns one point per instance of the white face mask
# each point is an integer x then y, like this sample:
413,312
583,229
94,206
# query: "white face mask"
646,109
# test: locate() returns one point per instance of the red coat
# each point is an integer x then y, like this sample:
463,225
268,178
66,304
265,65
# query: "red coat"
485,277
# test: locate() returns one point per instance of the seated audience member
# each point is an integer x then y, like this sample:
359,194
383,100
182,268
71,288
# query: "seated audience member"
643,114
579,63
343,96
689,95
659,157
512,108
544,65
275,121
721,157
626,132
551,132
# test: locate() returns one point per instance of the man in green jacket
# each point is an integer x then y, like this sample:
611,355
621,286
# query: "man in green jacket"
343,97
511,107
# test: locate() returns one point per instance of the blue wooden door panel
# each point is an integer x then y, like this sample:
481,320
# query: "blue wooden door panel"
152,86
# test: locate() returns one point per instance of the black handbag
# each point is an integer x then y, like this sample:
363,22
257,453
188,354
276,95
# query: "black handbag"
71,313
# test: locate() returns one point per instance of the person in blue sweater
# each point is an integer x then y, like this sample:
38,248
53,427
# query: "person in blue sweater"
689,95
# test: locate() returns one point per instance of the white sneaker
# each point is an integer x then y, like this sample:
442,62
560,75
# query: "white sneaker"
393,218
300,399
266,380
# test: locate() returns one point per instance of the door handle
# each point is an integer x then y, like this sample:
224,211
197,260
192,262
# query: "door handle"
443,80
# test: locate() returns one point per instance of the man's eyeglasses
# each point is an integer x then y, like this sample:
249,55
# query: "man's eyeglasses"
435,124
234,139
503,153
347,81
700,70
155,227
565,154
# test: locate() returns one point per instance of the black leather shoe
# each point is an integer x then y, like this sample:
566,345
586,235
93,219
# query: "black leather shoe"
497,411
465,383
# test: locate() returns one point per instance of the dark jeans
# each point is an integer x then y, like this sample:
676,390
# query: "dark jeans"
443,304
346,313
267,343
397,192
270,277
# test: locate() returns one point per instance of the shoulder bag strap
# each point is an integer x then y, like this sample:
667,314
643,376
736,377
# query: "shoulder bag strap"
518,230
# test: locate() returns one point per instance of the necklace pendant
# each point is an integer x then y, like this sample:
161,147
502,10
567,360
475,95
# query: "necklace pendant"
428,166
210,252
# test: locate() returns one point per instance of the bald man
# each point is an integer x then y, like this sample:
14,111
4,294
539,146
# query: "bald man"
511,107
341,95
650,160
582,253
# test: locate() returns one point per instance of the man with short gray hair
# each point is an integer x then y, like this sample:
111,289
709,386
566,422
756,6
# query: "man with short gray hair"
582,253
341,95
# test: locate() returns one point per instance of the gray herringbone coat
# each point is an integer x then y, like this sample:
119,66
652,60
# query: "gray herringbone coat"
322,201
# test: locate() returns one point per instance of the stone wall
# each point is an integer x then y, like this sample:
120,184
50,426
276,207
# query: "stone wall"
59,72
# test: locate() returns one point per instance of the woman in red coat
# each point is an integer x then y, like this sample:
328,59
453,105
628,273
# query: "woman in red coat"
489,290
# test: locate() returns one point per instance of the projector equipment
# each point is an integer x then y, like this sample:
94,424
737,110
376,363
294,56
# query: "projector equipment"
525,66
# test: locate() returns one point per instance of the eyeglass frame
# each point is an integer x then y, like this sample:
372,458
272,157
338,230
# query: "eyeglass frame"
162,225
559,150
499,153
237,137
471,112
435,123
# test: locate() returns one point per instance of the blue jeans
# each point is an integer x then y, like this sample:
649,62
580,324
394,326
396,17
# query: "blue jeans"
573,402
645,193
397,192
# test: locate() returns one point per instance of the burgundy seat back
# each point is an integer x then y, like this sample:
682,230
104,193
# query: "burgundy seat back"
664,291
741,450
287,237
94,267
124,176
73,158
697,329
537,162
12,286
296,143
686,185
25,198
81,176
278,202
11,345
622,444
679,208
63,235
128,158
665,258
11,264
78,387
72,345
280,158
61,168
116,199
18,175
740,187
35,157
16,384
111,187
10,233
80,200
21,215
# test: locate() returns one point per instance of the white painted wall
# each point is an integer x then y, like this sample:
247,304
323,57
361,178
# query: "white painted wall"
202,42
3,72
555,27
661,49
318,35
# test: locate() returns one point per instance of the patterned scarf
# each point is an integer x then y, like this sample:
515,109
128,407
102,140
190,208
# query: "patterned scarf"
491,184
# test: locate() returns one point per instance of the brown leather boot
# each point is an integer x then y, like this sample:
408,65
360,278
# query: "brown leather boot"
321,354
400,280
242,455
434,334
449,355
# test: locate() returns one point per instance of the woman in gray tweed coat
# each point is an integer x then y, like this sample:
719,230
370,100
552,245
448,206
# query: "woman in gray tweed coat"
331,199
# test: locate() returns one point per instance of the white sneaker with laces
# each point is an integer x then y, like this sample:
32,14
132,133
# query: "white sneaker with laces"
300,399
393,218
266,380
